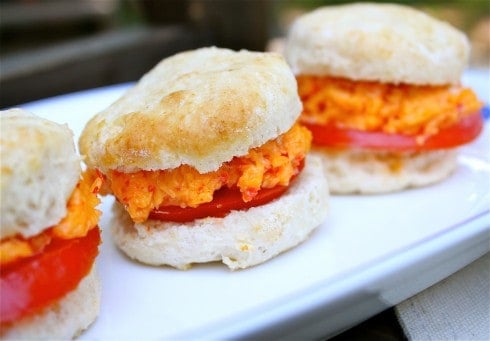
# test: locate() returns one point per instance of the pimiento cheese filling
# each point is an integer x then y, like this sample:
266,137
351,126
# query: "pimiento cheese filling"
81,217
267,166
373,106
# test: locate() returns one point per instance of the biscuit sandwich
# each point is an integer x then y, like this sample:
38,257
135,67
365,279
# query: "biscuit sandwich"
382,94
207,162
49,235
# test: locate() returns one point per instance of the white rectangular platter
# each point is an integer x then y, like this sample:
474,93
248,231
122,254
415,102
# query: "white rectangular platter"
371,252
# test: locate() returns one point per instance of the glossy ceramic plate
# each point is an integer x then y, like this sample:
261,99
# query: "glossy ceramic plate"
371,253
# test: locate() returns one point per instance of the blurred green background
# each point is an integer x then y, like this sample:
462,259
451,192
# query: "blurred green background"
50,47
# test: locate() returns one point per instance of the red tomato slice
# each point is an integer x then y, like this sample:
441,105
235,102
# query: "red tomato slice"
224,200
464,131
31,284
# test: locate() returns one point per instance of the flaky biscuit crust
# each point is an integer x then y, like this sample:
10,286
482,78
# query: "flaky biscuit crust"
378,42
39,170
199,108
359,171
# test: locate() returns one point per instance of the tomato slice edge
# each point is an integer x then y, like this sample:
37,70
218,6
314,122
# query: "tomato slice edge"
60,267
464,131
224,201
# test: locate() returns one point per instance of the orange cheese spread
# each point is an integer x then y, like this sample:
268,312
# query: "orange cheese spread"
373,106
82,216
267,166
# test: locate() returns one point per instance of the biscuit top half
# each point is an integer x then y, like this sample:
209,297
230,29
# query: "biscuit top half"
39,170
199,108
377,42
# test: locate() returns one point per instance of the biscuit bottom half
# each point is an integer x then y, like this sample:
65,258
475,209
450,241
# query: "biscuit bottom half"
240,239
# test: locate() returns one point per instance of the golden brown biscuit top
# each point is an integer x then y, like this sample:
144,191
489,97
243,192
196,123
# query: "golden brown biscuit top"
377,42
39,170
199,108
